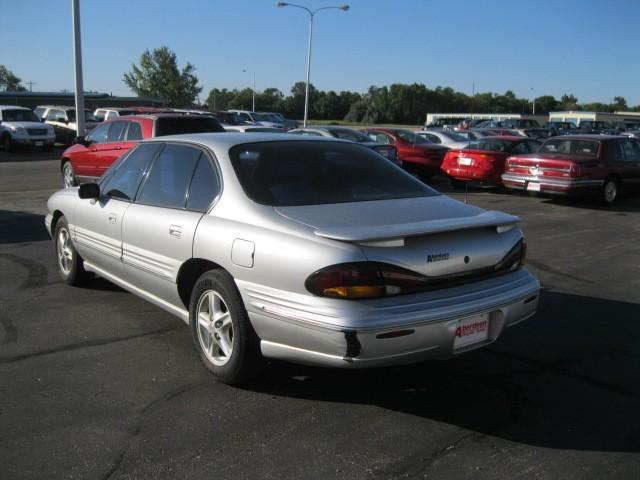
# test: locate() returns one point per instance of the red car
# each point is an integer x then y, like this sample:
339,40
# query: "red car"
596,165
483,160
418,155
89,157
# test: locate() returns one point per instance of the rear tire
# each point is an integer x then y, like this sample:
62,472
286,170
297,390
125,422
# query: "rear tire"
610,191
7,143
222,333
68,260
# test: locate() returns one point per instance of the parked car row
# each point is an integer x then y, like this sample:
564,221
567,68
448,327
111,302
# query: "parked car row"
589,164
57,123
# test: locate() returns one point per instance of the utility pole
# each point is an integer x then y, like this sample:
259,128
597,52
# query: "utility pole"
77,64
31,84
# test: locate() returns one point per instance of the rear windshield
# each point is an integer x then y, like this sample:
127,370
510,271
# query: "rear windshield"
186,124
314,173
491,145
347,134
579,147
411,137
19,115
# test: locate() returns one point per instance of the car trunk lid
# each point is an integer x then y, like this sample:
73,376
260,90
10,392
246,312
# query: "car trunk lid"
430,235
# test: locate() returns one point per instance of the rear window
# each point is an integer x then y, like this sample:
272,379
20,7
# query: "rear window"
579,147
491,145
314,173
186,124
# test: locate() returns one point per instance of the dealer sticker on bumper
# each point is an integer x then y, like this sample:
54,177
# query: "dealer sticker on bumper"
471,330
533,186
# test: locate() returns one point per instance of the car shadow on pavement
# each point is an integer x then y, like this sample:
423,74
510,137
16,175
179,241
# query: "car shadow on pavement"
629,203
25,155
20,227
565,379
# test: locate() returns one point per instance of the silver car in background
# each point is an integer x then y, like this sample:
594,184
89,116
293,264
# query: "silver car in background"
446,138
310,250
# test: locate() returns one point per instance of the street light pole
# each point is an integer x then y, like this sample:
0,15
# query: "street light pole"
77,64
534,100
253,92
312,14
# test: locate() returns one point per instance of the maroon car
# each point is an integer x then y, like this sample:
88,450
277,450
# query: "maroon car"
596,165
418,155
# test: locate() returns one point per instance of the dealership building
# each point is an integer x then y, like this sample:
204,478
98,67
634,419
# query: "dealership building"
433,117
92,100
573,116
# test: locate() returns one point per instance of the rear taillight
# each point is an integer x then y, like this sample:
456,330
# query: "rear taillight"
515,259
575,170
359,280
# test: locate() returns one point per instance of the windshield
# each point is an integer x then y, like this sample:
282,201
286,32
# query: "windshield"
19,115
88,116
578,147
315,173
491,145
411,137
347,134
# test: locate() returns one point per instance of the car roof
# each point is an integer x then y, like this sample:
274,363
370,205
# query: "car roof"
226,140
587,136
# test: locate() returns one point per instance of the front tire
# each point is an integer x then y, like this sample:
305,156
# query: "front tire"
69,262
610,191
228,346
68,177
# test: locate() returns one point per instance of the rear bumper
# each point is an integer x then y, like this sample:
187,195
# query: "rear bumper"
553,186
416,327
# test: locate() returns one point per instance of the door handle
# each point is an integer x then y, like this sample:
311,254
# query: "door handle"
112,218
118,148
175,231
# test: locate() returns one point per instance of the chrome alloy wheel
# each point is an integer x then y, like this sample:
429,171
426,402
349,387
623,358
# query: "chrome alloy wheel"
610,191
215,328
67,176
64,251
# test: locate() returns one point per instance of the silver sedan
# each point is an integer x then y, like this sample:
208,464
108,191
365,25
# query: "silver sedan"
311,250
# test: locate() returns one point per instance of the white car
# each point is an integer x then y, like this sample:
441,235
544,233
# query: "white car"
257,118
449,139
63,120
20,126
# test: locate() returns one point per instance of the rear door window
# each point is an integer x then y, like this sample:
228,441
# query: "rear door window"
205,186
170,175
135,132
116,131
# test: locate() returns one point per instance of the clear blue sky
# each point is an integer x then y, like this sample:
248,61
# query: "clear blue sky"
585,47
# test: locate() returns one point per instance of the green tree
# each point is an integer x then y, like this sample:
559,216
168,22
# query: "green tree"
9,81
158,76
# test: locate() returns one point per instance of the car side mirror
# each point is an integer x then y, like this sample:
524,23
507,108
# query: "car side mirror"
82,140
89,190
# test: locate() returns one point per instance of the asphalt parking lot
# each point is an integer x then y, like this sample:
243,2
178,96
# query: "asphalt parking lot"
98,384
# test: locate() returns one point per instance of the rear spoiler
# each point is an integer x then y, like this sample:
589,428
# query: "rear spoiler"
487,219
